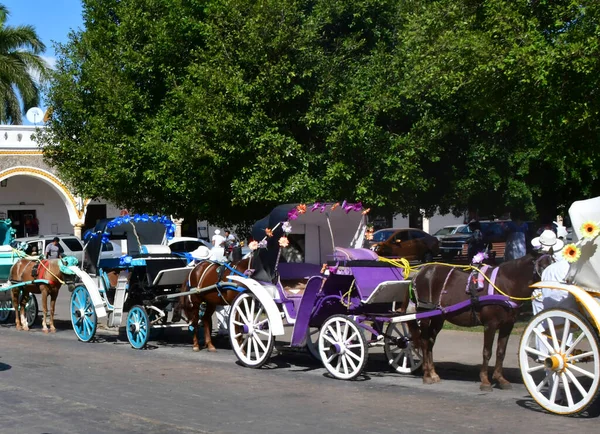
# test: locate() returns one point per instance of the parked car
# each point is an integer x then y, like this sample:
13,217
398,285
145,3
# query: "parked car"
412,244
492,231
71,245
111,250
449,230
186,244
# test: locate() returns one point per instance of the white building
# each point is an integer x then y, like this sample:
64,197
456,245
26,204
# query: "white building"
430,225
33,196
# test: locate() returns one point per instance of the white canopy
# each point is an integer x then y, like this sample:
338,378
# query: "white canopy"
586,271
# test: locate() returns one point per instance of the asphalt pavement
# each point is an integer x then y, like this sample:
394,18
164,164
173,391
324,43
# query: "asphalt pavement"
51,383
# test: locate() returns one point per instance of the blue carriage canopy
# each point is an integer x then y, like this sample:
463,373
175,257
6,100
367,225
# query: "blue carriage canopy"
137,231
315,230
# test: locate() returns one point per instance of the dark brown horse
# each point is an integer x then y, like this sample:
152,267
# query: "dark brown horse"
443,286
205,274
23,271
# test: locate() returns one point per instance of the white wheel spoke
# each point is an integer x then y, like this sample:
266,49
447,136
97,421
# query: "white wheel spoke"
565,383
339,362
344,365
237,323
574,344
354,356
258,314
581,356
354,346
542,383
351,338
581,371
242,315
251,312
534,351
258,324
338,332
539,367
554,387
565,335
249,349
543,340
262,332
345,335
404,362
395,360
576,382
330,340
330,358
555,345
260,343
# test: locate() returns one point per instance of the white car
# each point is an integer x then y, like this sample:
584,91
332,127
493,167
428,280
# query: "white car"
449,230
71,245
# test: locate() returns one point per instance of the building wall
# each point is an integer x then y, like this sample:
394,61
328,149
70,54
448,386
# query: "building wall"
431,225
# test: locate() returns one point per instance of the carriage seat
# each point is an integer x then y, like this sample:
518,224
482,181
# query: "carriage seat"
294,276
347,254
6,248
155,249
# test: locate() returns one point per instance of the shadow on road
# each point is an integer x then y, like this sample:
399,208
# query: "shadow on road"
4,367
592,412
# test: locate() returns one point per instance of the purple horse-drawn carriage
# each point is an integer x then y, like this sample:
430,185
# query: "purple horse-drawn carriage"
300,275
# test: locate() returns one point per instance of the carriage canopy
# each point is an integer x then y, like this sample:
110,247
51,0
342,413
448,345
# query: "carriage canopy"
315,231
585,272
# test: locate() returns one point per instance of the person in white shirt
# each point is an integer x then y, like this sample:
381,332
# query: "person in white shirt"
218,250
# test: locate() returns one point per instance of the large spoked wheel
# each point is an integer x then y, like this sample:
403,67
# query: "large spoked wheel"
6,310
250,331
312,343
559,358
342,347
83,314
138,327
400,353
31,310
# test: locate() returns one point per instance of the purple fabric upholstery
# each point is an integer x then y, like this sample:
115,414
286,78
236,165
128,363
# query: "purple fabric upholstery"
344,254
298,270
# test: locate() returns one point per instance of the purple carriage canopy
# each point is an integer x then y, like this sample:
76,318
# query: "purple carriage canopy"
315,232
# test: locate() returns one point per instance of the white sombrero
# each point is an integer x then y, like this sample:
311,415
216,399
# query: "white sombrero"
548,240
201,252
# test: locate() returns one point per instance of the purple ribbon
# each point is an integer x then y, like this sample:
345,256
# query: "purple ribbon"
351,206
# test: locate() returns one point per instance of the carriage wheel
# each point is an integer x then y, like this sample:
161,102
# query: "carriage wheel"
342,347
312,343
6,311
31,310
400,352
83,314
138,327
250,331
564,377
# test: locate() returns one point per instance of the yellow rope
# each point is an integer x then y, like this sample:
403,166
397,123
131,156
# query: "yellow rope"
23,255
407,268
349,293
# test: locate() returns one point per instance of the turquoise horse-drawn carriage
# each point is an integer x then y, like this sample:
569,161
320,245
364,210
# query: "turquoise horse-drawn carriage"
8,256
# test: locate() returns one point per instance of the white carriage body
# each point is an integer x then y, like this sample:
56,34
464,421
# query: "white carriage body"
585,273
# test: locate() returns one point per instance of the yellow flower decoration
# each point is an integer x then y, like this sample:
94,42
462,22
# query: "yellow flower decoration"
590,229
334,206
571,253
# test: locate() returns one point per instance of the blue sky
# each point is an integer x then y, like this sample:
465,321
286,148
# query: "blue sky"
52,19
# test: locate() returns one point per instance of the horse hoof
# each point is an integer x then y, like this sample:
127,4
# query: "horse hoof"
485,387
505,386
19,328
431,380
52,330
196,349
212,350
46,331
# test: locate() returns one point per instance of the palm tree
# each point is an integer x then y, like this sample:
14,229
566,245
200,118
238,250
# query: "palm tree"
20,63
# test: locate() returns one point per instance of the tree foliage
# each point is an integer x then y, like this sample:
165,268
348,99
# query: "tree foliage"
20,69
223,108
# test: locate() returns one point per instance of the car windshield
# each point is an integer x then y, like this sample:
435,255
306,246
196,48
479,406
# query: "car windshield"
464,230
381,236
446,231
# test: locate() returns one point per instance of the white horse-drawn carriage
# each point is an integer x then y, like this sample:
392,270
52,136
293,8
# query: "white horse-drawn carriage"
559,353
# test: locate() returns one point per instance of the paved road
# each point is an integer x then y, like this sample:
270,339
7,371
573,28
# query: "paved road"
55,384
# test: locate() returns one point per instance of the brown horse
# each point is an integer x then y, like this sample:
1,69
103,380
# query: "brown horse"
203,275
442,286
23,271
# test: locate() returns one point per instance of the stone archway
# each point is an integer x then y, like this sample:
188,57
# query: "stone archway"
75,205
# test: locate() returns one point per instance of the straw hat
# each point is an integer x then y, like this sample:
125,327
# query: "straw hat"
548,240
217,232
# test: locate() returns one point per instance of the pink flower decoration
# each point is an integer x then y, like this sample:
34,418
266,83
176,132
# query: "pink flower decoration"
253,245
284,242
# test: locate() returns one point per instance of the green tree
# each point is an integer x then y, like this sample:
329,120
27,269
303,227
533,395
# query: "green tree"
20,63
227,107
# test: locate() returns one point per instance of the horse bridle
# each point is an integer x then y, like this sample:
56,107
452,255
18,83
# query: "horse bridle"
536,265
